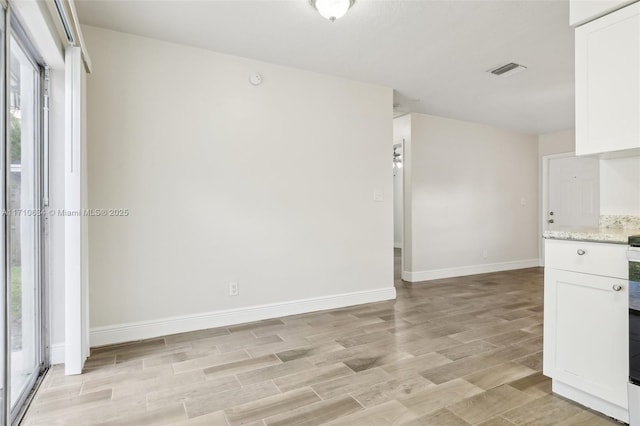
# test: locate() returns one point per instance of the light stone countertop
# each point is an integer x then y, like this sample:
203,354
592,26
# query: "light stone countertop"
612,235
614,229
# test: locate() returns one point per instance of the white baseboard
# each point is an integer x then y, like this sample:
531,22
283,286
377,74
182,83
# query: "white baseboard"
56,356
437,274
397,245
161,327
588,400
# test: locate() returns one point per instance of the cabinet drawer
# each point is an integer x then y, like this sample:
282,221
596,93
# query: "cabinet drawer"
609,260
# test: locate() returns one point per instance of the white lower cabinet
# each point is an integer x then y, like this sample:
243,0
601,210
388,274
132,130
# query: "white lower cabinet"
586,332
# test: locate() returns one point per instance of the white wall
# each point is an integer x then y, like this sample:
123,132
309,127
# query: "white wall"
557,142
620,186
467,183
270,186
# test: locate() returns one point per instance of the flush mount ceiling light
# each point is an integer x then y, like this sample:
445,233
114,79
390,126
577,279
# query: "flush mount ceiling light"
332,9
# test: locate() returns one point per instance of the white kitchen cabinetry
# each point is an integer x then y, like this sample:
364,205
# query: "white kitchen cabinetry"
608,84
586,324
582,11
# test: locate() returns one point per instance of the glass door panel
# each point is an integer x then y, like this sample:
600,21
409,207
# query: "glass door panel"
23,224
3,232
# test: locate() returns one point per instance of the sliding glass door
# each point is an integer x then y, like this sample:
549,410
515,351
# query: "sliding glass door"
22,338
24,227
21,254
4,320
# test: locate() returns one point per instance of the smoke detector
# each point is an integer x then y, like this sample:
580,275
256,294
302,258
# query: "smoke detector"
507,69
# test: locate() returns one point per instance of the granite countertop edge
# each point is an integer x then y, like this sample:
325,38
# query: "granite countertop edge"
595,235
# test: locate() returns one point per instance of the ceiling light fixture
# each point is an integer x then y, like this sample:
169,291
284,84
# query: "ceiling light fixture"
332,9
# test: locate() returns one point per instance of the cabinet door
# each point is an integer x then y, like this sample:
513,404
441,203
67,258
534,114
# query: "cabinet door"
608,83
586,333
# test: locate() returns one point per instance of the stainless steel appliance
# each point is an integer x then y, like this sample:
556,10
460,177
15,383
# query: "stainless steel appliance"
634,330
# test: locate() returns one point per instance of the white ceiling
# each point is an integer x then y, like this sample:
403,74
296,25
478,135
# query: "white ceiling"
435,54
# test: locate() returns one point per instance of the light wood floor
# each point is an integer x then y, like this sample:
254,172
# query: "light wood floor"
449,352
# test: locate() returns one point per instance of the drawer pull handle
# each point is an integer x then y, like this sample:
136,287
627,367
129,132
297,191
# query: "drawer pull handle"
581,252
617,287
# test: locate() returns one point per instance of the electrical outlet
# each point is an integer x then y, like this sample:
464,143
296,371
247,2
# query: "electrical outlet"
233,289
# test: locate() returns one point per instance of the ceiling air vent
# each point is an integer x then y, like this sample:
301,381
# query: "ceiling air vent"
508,69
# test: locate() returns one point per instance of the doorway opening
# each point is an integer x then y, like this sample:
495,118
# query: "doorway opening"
398,208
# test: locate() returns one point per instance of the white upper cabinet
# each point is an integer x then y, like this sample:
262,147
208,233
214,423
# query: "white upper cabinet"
582,11
608,84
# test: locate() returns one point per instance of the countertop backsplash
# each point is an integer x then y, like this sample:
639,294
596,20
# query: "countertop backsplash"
620,221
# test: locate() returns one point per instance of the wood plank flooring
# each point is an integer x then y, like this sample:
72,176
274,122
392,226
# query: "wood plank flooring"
460,351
